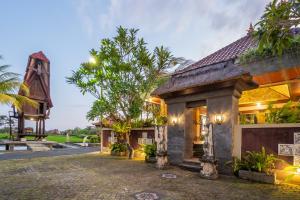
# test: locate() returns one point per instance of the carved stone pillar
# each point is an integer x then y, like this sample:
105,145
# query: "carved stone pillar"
161,142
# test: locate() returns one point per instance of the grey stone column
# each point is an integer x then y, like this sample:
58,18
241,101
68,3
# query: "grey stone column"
189,133
176,131
223,133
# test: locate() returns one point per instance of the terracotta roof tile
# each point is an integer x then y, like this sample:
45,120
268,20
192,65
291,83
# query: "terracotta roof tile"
228,52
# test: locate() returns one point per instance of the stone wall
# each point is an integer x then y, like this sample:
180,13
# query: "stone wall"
176,139
223,133
134,135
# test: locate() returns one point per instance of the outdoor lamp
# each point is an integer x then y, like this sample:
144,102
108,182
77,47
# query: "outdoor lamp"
174,120
219,118
92,60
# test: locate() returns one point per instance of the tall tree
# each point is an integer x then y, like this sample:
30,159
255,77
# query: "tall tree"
274,30
9,87
121,75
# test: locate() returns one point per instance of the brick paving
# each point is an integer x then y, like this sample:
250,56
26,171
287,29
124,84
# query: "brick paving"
95,176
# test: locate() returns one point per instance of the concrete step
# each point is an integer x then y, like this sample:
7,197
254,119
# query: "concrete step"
37,147
191,165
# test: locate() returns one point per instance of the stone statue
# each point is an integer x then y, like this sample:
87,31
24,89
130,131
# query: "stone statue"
68,137
161,146
208,142
208,162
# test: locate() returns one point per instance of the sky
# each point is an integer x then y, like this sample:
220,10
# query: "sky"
65,30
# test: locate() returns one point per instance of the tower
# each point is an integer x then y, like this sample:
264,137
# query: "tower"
37,78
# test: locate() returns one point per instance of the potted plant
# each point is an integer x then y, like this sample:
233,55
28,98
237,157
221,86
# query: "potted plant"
118,149
256,166
150,153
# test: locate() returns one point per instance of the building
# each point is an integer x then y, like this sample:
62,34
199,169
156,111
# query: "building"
37,78
235,98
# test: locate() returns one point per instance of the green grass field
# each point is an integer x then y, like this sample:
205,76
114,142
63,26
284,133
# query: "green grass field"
62,138
54,138
4,136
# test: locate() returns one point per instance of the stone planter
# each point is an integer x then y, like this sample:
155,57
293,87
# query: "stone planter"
150,159
113,153
162,160
208,168
257,176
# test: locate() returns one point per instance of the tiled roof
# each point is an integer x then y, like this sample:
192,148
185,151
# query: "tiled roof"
40,55
228,52
214,68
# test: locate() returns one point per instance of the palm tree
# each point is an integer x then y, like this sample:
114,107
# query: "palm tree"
9,86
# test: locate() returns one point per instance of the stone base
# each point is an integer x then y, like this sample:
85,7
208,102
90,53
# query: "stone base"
150,159
162,162
258,177
209,170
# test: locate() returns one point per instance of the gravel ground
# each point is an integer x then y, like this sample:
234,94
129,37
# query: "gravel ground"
95,176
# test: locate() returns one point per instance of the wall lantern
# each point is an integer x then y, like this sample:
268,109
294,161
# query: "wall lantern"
219,119
174,120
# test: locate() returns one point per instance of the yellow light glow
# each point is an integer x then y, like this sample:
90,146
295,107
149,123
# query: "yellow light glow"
219,118
258,104
92,60
174,120
31,119
298,171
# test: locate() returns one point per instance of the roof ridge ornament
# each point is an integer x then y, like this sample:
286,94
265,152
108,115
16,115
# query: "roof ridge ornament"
250,29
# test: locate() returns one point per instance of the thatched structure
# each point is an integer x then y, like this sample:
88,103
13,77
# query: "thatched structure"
214,69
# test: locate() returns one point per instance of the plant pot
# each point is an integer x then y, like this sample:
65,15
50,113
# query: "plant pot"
150,159
114,153
257,176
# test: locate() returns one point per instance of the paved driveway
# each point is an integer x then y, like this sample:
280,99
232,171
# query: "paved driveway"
94,176
37,154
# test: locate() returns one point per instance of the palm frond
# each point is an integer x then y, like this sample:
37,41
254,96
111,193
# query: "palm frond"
9,87
23,100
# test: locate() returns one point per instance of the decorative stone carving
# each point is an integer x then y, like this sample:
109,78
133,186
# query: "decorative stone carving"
208,161
169,176
146,196
291,149
161,142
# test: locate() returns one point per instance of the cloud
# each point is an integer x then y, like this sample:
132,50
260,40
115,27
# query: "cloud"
192,28
87,20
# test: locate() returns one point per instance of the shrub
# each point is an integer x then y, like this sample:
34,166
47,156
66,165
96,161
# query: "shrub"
289,113
118,147
150,150
121,127
94,139
255,161
161,120
140,123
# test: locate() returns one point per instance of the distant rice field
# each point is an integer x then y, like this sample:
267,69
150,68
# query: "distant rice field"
54,138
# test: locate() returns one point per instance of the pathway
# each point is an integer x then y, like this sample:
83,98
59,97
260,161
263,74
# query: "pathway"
95,176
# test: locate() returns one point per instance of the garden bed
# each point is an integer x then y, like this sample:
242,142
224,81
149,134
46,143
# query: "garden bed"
257,176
